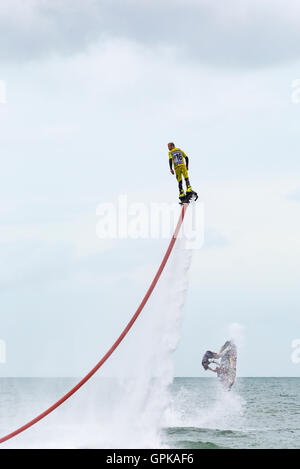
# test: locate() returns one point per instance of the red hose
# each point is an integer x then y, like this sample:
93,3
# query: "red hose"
115,345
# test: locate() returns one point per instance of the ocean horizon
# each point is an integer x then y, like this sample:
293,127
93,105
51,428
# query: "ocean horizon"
259,412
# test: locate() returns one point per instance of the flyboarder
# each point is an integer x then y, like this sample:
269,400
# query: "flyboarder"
176,158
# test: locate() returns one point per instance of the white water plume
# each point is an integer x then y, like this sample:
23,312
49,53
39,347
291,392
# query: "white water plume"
125,411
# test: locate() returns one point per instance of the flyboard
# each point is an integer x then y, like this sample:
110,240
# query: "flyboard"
185,199
226,372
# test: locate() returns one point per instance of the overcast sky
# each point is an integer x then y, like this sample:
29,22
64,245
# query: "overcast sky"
94,91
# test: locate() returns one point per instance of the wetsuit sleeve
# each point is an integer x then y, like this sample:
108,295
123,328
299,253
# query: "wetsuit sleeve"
170,161
186,159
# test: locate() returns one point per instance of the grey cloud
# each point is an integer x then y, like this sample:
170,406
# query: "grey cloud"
259,36
61,29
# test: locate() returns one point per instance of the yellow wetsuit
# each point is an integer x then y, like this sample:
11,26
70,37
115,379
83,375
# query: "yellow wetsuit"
178,156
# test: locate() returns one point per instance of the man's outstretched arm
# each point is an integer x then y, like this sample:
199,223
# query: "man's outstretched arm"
214,361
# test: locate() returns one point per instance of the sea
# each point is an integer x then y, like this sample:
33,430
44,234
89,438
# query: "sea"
197,413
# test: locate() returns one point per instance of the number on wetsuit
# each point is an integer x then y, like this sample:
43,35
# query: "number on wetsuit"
177,156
